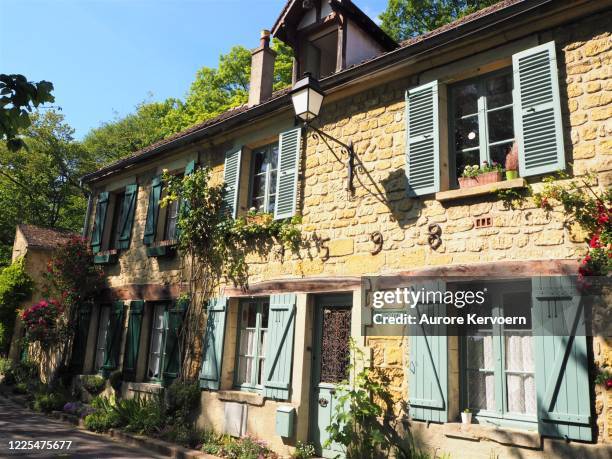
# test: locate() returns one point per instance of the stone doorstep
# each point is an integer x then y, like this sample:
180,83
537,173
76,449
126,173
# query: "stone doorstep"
505,436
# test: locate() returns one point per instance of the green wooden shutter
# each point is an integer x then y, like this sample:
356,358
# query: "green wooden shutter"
172,349
127,216
80,338
184,206
231,177
212,352
279,346
132,343
423,143
99,221
537,111
287,176
562,378
153,210
113,337
428,369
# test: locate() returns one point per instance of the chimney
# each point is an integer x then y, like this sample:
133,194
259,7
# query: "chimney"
262,71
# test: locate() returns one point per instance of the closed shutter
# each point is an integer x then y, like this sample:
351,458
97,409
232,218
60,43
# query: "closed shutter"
428,369
562,377
287,175
279,346
113,337
537,111
184,206
212,354
132,343
172,345
127,216
153,210
99,221
423,143
80,338
231,177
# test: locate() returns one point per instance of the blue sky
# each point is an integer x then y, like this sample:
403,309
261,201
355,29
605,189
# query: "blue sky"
105,56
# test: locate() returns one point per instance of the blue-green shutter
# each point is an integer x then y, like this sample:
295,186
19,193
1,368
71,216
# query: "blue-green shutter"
132,343
537,111
113,337
231,177
561,362
80,338
99,222
153,210
279,346
423,143
212,352
428,367
184,206
172,346
287,175
127,216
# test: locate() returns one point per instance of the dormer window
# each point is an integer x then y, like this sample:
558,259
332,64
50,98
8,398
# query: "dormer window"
320,53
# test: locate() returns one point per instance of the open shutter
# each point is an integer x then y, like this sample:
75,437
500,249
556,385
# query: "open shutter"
537,111
127,216
231,177
287,176
153,210
99,221
172,354
113,337
279,346
80,338
428,369
423,143
132,344
212,356
562,378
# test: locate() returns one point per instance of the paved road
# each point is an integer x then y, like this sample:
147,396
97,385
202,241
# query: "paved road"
18,423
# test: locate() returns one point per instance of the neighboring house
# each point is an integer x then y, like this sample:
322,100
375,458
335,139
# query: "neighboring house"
533,72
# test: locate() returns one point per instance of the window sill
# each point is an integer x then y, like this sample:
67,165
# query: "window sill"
480,190
249,398
143,387
108,257
503,436
162,249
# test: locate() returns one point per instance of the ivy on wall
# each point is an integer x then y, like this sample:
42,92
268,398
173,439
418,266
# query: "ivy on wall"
15,287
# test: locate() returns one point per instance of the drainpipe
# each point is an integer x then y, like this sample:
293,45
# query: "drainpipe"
89,204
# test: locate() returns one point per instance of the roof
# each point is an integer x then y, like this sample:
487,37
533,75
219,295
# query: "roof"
44,238
464,26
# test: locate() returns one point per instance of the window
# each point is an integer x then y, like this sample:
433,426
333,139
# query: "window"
263,178
171,220
103,329
482,124
117,217
498,361
252,331
156,347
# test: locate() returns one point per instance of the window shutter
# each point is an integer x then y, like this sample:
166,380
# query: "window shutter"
113,337
428,370
153,210
279,346
562,379
212,356
185,206
287,176
537,111
423,143
231,177
127,216
80,338
132,344
99,221
172,348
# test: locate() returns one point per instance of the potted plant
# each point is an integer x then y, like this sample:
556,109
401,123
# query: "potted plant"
479,175
466,417
512,162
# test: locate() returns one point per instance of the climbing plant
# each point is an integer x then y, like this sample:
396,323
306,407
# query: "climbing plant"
15,287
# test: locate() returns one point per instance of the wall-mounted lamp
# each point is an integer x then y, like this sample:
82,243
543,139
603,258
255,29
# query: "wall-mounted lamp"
307,98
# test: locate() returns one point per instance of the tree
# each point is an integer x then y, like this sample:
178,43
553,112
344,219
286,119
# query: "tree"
404,19
18,96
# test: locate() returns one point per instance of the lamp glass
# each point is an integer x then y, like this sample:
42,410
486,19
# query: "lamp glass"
307,102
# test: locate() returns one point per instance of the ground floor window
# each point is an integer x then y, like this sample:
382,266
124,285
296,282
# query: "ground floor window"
252,330
158,331
103,330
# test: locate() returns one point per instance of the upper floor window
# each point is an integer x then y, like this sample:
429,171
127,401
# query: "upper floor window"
263,178
252,331
117,220
482,124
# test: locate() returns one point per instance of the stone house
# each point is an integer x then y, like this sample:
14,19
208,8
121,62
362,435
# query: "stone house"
532,73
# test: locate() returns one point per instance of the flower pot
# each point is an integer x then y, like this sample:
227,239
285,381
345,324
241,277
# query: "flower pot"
511,175
489,177
466,418
467,182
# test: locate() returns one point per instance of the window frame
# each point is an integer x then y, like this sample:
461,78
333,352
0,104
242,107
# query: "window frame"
101,347
164,334
267,174
259,355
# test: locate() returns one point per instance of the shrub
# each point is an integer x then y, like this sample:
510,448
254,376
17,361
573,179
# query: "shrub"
303,451
115,379
15,287
20,388
142,415
6,370
188,437
49,401
26,372
41,321
246,448
94,384
101,421
182,399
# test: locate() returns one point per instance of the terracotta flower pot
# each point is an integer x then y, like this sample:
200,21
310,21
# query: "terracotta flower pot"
489,177
467,182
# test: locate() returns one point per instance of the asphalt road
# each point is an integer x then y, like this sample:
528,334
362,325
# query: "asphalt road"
17,423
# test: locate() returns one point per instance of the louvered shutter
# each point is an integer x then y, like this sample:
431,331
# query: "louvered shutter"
153,210
80,338
428,368
132,344
561,362
127,216
537,111
287,175
423,143
113,337
212,355
99,222
184,206
172,348
231,177
279,346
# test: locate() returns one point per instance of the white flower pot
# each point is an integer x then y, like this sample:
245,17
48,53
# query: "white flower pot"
466,418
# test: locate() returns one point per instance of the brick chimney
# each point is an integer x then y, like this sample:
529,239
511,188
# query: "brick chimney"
262,71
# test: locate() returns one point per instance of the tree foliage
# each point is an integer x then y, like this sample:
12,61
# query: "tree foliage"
15,287
404,19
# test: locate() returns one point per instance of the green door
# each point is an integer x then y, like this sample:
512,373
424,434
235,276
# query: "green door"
330,359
